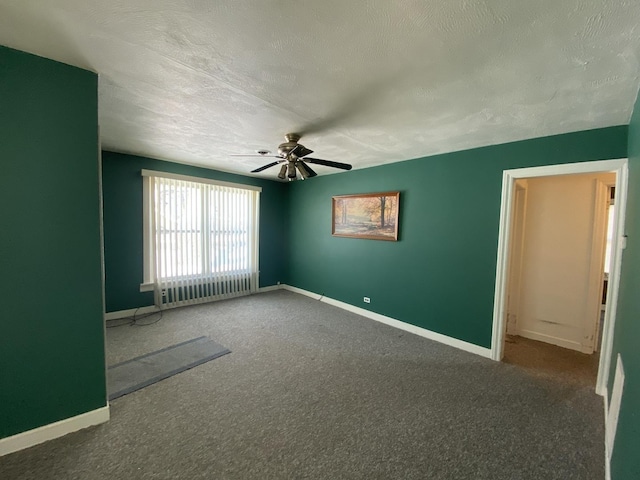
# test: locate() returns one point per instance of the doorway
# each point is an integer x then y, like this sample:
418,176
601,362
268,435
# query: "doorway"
535,305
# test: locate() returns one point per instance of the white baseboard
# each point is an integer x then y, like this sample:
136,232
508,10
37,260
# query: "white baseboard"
130,313
270,288
607,454
53,430
560,342
423,332
613,408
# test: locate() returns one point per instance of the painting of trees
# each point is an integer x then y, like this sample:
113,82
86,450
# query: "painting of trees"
372,215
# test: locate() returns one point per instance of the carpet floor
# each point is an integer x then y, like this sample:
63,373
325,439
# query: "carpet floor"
546,360
311,391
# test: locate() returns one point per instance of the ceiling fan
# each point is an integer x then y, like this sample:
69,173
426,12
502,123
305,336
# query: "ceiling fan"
290,154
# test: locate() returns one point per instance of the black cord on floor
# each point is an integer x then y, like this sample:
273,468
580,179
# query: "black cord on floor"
134,320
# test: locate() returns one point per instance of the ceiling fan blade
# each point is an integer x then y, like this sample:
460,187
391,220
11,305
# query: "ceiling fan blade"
309,169
265,167
329,163
300,151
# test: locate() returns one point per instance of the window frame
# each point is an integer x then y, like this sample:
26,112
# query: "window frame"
148,237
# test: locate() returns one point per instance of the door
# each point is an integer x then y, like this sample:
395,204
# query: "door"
562,260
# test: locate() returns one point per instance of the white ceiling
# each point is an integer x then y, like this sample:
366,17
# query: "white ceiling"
369,81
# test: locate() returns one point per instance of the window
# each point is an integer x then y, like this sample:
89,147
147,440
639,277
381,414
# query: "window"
201,238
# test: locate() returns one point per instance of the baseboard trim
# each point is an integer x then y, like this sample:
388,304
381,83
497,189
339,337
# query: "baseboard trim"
541,337
423,332
42,434
607,455
130,313
270,288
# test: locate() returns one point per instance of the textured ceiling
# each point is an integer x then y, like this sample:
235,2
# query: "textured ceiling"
368,82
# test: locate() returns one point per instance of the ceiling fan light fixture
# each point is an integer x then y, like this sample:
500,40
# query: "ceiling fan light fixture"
283,172
291,171
303,171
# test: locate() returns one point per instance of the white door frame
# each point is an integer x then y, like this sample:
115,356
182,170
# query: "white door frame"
509,177
518,216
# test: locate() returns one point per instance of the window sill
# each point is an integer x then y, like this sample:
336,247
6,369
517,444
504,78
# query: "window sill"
146,287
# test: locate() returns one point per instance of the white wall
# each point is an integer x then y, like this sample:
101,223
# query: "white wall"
562,260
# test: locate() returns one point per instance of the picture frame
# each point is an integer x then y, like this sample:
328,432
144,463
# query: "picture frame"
372,216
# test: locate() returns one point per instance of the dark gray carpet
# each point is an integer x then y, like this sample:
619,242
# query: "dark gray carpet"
314,392
139,372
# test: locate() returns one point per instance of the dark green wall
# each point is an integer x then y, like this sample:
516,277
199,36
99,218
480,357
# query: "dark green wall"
441,274
51,343
626,462
122,197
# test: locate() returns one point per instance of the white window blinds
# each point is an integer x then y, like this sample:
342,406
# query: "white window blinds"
203,238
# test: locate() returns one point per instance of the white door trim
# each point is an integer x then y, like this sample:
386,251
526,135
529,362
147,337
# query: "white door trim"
596,266
520,215
620,168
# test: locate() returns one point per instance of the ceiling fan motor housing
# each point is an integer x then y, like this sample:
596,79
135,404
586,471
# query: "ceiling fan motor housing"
290,144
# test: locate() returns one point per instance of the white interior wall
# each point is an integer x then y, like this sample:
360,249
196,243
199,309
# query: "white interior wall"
557,276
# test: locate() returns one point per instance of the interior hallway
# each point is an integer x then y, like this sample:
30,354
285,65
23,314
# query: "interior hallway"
550,361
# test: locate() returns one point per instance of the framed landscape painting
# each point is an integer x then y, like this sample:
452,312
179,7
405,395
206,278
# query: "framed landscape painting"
370,215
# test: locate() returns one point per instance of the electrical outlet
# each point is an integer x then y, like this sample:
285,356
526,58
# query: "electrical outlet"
367,300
